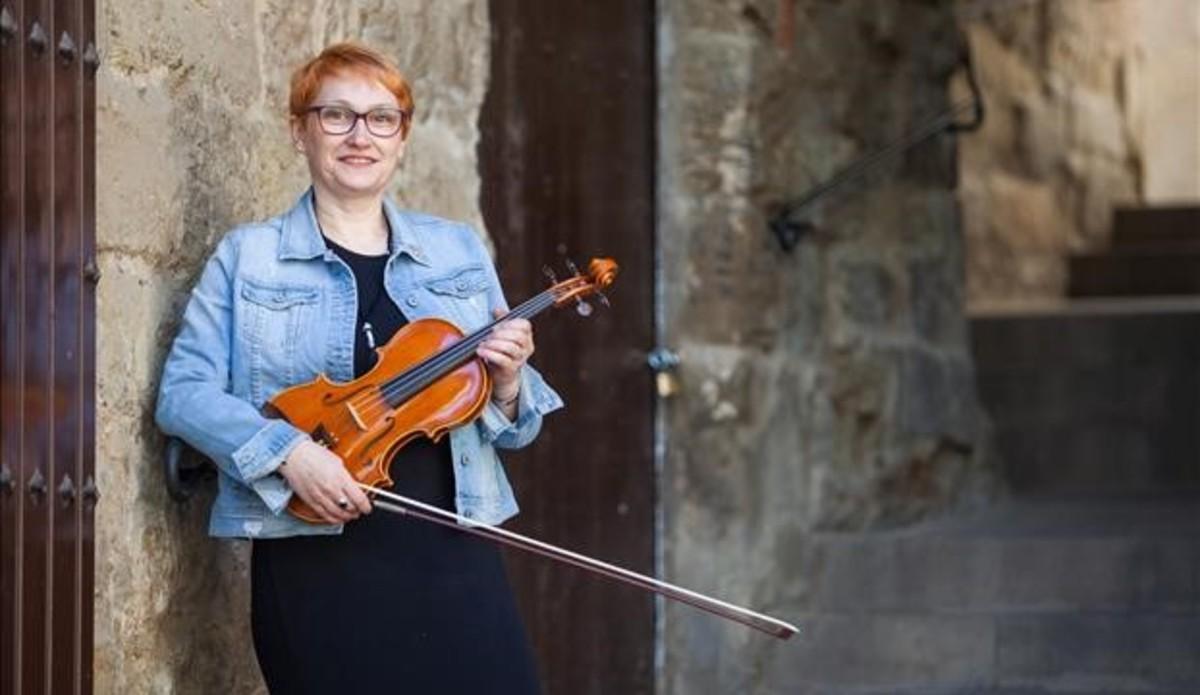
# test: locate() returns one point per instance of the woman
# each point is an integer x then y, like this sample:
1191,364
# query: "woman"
366,602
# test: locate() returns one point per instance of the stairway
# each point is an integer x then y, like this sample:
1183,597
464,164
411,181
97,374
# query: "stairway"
1039,595
1085,581
1154,252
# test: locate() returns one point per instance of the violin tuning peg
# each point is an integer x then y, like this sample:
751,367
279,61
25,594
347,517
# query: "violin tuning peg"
550,274
571,266
603,299
583,308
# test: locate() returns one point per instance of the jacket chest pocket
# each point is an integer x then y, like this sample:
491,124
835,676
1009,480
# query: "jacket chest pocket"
465,292
273,325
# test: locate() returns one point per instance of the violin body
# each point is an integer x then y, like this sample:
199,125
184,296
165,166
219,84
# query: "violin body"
426,381
360,423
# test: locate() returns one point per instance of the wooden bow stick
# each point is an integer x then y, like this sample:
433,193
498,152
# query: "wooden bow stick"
400,504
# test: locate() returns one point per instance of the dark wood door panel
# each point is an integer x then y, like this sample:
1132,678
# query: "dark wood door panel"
47,237
567,156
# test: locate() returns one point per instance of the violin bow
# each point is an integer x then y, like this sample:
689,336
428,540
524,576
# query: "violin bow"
400,504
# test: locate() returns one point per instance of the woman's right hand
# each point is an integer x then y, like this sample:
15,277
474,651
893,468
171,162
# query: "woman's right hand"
318,476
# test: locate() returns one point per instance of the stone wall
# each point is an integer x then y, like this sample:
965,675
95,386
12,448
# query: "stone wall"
1091,104
825,389
191,140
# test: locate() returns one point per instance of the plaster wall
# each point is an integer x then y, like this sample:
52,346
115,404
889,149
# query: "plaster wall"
191,140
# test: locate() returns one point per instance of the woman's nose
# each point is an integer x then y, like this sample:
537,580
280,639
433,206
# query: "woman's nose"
358,134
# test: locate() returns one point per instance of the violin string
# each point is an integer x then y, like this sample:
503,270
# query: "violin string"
367,402
434,366
431,369
374,404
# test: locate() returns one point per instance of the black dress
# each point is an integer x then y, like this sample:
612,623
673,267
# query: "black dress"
392,605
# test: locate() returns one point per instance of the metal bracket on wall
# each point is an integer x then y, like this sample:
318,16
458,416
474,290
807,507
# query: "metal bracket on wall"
185,469
797,219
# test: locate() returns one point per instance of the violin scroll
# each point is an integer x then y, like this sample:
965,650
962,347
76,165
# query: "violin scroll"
601,273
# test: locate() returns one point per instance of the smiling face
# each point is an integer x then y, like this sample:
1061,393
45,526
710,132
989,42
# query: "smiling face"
357,164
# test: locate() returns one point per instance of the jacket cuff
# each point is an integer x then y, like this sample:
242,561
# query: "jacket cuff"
264,452
274,491
535,398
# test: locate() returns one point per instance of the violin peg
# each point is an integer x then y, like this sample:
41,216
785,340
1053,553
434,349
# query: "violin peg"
571,266
603,299
550,274
583,308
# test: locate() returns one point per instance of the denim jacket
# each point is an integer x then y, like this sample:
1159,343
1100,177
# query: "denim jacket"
275,307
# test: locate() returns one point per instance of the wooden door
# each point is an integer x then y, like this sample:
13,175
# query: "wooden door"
567,155
47,364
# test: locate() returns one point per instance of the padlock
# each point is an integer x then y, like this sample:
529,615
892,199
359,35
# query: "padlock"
666,383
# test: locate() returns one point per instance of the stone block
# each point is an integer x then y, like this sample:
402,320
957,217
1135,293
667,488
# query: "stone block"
981,572
866,292
886,651
936,302
1096,123
1137,650
1026,213
1001,69
935,397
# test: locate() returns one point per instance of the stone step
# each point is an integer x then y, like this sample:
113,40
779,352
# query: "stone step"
1165,227
1134,272
969,688
1036,595
994,569
1082,334
1102,397
949,653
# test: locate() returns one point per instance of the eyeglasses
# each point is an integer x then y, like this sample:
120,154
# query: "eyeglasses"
339,120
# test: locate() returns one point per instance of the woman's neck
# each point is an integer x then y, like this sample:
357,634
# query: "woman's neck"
357,224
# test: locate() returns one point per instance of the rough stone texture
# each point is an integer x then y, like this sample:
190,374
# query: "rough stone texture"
825,389
191,140
1090,104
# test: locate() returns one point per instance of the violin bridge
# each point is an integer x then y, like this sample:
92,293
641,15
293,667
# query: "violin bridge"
357,418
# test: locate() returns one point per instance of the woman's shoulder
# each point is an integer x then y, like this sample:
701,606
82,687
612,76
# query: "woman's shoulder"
440,234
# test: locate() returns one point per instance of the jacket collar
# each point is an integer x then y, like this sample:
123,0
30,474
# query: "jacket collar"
301,237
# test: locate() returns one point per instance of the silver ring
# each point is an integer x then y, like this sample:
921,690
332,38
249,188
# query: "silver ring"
343,503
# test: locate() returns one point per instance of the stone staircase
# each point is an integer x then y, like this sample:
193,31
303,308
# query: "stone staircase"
1154,252
1039,595
1087,580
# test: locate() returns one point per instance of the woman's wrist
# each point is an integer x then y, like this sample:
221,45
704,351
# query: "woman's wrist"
505,396
505,401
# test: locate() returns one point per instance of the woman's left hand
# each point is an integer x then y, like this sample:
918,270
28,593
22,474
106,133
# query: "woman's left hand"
505,351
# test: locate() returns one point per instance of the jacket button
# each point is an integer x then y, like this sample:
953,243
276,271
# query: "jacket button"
412,300
469,514
460,285
465,459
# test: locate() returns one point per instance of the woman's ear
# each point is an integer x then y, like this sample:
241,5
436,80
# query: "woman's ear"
296,125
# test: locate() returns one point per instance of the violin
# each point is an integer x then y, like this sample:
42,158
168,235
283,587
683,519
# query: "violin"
426,381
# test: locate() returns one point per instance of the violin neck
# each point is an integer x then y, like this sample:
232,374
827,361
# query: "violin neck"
429,370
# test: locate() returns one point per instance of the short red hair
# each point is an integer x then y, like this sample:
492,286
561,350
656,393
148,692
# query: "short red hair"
354,59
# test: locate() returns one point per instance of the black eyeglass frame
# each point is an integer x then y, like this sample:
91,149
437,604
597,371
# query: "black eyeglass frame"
358,115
